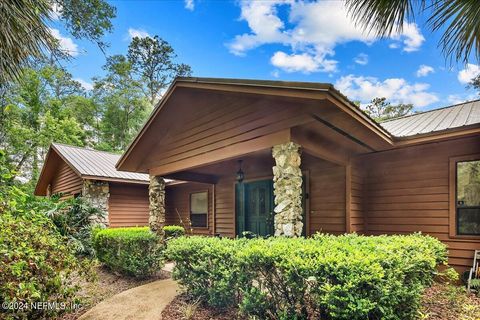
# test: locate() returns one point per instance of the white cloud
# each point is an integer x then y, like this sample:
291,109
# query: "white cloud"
457,98
66,44
361,59
396,90
312,31
139,33
424,70
411,37
190,5
86,85
467,74
317,28
304,62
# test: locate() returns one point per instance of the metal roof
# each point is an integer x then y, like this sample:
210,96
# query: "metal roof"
451,117
93,163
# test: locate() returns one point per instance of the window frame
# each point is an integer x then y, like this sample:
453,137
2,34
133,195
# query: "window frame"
452,186
190,208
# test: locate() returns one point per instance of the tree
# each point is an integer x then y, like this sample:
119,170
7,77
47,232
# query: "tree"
152,62
380,109
124,106
27,34
475,83
35,115
457,19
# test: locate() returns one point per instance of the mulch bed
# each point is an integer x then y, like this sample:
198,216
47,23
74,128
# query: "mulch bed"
444,302
183,308
106,285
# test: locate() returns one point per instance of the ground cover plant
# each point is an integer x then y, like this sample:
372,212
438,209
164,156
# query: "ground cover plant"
324,277
134,251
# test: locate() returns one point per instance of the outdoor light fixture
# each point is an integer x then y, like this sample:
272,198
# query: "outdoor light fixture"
240,174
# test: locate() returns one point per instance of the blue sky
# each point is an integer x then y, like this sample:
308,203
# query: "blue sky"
286,40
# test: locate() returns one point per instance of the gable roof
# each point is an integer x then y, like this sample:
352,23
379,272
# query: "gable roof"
96,164
437,120
87,164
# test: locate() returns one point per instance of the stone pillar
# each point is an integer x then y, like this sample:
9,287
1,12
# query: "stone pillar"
96,193
156,194
287,184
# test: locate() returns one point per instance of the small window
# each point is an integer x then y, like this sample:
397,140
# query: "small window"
468,197
199,209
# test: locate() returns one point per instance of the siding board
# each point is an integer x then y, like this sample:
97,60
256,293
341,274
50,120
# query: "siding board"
128,205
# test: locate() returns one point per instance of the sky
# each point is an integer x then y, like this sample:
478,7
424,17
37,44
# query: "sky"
285,40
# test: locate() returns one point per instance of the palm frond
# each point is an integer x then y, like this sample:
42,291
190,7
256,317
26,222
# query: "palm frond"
23,34
383,17
461,21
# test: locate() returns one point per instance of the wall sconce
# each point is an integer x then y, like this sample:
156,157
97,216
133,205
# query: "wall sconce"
240,174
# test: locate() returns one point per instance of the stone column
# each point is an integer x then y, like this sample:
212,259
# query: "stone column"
287,184
156,194
96,193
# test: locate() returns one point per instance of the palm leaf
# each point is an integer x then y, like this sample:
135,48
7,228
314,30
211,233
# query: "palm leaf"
459,20
24,35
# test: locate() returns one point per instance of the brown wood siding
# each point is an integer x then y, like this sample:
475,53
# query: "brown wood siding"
326,196
128,205
177,199
357,194
408,191
66,181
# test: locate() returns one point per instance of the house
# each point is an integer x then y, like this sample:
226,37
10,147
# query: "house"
73,171
335,169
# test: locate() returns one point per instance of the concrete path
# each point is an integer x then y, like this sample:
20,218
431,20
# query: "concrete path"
141,303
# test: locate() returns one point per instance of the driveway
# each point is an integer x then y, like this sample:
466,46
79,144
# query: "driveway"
140,303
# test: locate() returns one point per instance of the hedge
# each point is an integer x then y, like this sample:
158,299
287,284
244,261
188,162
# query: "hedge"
324,277
134,251
173,231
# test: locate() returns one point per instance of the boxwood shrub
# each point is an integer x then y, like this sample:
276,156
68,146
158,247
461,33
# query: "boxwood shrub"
173,231
134,251
324,277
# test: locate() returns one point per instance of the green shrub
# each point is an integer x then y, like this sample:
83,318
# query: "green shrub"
207,268
36,262
132,251
173,231
73,220
35,265
324,277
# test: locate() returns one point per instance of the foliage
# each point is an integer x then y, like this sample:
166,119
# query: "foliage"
36,261
37,113
475,83
28,35
134,251
73,219
457,19
173,231
124,106
152,61
17,41
324,277
380,109
206,268
89,19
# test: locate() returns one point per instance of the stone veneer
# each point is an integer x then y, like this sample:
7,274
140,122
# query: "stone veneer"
97,194
287,184
156,195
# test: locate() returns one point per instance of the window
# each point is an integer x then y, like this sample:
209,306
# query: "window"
467,197
199,209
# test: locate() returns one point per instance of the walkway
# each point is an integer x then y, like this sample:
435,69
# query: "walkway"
141,303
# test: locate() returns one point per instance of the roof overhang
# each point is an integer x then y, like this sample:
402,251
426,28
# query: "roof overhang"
342,113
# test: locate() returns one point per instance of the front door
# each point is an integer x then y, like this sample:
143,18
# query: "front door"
254,204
